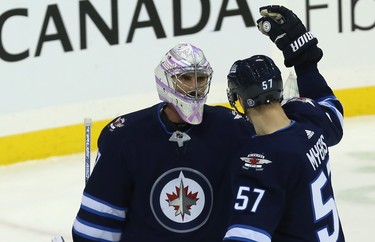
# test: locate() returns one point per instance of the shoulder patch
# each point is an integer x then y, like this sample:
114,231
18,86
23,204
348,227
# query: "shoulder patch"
254,161
118,123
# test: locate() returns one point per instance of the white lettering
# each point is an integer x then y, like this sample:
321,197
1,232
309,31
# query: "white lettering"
317,153
301,41
294,46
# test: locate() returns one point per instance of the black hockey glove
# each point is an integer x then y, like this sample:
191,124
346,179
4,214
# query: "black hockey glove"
289,34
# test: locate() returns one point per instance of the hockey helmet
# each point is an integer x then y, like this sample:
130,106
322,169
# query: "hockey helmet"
257,80
188,100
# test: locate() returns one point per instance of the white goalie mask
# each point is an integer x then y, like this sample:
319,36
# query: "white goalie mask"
183,78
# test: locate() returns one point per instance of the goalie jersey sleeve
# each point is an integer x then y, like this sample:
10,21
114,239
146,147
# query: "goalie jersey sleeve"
282,181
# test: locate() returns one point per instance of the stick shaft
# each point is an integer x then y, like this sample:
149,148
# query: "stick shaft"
87,123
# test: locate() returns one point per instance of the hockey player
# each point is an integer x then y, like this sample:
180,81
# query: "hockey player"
161,173
282,179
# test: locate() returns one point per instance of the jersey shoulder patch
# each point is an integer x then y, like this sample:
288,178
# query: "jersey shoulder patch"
116,123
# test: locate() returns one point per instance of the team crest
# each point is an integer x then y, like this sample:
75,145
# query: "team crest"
181,200
118,123
254,161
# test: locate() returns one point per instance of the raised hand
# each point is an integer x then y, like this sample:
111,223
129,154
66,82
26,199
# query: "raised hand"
289,34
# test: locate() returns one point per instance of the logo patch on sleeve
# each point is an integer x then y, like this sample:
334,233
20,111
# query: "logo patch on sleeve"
118,123
254,161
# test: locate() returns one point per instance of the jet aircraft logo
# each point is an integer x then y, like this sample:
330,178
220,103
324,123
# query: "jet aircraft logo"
254,161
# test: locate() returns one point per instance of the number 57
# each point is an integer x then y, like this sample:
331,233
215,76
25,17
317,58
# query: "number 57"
243,198
267,84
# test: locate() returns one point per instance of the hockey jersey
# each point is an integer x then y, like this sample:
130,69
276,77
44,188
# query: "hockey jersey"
155,184
282,181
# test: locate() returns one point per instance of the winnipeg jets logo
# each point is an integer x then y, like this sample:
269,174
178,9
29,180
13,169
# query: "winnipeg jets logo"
181,199
254,161
118,123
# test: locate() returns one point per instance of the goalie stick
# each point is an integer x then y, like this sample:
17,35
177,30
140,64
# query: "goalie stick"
88,123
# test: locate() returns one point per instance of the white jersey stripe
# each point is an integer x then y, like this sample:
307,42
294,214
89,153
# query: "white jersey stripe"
326,102
100,207
95,233
247,233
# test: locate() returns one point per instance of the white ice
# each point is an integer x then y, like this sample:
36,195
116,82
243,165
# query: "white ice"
39,199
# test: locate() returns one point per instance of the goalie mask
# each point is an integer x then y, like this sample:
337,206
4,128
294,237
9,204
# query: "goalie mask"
257,80
183,78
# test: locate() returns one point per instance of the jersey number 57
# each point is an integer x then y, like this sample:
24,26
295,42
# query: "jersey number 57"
243,195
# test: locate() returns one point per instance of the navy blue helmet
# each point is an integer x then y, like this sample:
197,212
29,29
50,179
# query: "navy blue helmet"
257,80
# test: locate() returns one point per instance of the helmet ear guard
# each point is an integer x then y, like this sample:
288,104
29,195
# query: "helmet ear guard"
257,80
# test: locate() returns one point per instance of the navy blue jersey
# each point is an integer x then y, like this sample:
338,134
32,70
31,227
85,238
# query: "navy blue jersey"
282,182
152,184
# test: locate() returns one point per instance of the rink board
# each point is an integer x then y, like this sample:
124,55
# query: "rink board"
70,139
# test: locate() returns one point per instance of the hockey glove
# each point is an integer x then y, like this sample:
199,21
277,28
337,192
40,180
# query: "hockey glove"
289,34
